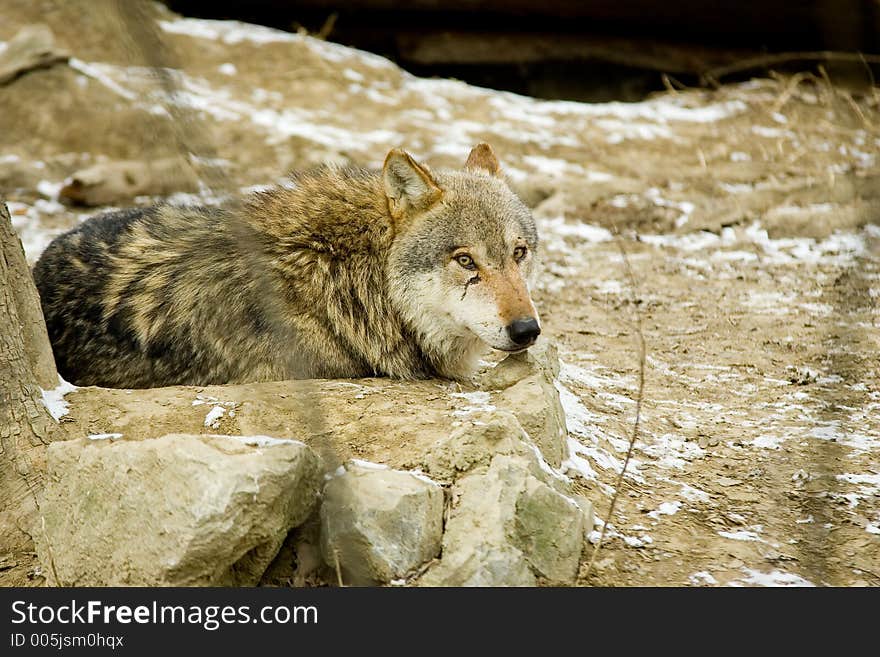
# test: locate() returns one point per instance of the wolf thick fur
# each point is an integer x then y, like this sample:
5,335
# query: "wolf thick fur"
343,273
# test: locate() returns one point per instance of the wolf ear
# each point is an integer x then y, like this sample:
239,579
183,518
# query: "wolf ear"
482,158
408,185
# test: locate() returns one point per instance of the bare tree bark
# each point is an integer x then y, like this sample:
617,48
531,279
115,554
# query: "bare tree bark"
26,364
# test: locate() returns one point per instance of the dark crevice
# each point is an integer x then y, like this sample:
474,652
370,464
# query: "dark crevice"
569,50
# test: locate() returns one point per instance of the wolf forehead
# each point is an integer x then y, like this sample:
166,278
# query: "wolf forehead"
476,211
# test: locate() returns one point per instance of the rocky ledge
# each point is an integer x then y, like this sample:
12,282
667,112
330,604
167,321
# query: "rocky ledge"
313,482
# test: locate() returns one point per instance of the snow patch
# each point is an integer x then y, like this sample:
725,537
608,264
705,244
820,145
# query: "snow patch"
741,535
102,73
478,401
702,578
212,419
587,232
54,401
259,441
767,441
773,578
51,190
665,509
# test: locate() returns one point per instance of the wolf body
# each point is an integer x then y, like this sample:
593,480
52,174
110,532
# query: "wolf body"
343,273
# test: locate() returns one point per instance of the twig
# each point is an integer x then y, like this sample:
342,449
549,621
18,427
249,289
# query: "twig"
670,83
327,27
49,550
338,569
828,85
789,89
870,77
640,337
715,74
856,110
867,572
835,92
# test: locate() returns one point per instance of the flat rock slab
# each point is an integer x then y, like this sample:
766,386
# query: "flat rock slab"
396,423
180,510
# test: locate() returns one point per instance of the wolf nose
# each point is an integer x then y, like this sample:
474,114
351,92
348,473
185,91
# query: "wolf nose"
524,331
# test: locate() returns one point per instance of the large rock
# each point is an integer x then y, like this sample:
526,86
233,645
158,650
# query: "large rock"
508,528
512,520
379,524
33,47
180,510
550,528
473,444
535,402
114,182
527,384
542,358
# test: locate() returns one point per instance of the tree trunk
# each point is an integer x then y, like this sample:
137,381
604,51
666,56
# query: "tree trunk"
26,364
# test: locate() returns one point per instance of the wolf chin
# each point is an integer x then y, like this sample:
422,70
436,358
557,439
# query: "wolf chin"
342,273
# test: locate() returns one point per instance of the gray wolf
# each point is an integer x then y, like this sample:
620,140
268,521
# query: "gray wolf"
342,273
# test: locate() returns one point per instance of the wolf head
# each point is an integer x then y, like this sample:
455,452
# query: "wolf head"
463,253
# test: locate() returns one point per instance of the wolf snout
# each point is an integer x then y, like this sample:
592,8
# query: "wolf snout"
524,331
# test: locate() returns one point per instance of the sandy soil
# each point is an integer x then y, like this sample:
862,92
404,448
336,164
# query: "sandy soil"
749,220
757,456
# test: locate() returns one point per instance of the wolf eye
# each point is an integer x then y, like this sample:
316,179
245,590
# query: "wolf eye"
519,253
465,261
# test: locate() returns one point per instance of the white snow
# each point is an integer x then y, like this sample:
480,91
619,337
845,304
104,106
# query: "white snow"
558,167
838,249
230,32
833,431
577,464
50,190
692,494
212,419
771,133
27,220
741,535
671,450
104,436
868,485
638,541
768,441
773,578
702,578
418,474
234,32
586,232
369,465
665,509
477,401
258,440
102,74
54,401
686,208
